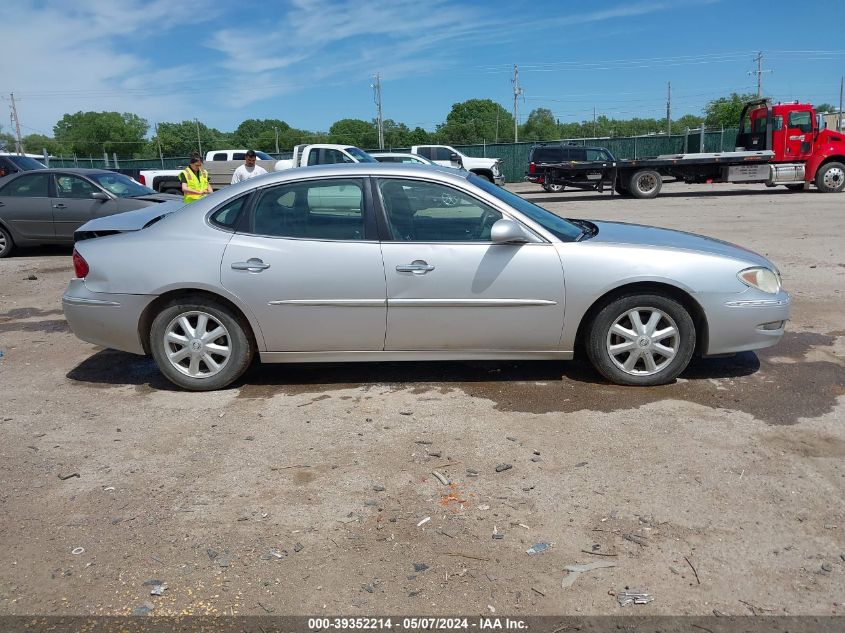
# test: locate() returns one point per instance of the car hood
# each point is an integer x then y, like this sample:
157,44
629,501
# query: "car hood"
652,236
158,197
127,221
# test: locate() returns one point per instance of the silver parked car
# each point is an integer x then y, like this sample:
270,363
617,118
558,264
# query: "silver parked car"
46,206
370,262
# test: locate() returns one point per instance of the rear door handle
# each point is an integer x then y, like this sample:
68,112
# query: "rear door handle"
60,206
253,265
418,267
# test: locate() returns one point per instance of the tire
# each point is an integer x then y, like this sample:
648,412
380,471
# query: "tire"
486,177
554,188
830,178
621,190
645,183
196,371
7,244
615,326
795,187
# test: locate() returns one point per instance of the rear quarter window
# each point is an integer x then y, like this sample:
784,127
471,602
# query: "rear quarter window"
550,155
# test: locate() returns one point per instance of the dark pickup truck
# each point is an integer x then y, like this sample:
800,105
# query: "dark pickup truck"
591,162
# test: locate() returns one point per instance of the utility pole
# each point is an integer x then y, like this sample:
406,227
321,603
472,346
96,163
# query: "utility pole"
17,124
594,121
277,138
759,72
517,93
158,140
377,98
669,111
199,142
841,86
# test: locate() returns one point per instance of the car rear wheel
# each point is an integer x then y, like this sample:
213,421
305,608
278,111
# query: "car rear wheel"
645,183
199,344
831,178
554,188
641,340
6,243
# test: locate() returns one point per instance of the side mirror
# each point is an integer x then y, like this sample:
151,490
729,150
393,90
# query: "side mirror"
100,195
508,232
455,159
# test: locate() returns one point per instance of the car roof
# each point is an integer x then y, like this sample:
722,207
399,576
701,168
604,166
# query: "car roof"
82,171
359,170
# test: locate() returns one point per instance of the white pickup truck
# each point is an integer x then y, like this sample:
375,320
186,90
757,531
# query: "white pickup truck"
489,168
324,154
222,163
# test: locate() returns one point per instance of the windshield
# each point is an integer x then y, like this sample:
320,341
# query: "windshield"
360,155
120,185
557,226
263,156
25,162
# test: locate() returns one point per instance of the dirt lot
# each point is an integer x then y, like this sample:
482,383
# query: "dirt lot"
309,489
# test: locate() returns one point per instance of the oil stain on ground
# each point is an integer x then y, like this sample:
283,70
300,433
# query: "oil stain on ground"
758,384
776,392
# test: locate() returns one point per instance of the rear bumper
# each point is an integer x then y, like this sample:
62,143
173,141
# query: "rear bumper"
742,323
106,319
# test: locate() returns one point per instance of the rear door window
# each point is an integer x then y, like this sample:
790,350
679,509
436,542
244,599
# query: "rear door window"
330,209
28,186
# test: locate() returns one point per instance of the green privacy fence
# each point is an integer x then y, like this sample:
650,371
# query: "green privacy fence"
514,155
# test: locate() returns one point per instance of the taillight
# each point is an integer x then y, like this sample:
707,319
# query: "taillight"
142,180
80,266
532,168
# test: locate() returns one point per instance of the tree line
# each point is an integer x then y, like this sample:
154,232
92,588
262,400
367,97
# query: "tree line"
470,122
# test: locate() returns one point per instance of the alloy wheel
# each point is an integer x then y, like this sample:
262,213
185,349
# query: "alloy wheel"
197,345
643,341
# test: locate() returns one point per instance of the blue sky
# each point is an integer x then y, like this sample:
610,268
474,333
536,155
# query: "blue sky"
311,62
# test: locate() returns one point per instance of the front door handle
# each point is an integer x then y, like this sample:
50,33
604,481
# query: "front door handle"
60,206
418,267
253,265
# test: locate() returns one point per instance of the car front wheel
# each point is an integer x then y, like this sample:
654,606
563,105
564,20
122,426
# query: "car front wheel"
641,340
6,243
199,344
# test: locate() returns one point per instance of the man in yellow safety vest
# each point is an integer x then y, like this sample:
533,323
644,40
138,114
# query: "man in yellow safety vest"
194,180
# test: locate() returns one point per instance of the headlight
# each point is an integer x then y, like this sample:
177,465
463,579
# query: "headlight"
760,278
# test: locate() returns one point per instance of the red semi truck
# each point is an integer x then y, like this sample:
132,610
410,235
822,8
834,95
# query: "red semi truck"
783,144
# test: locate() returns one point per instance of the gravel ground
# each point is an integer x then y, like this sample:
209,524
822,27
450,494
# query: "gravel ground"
310,489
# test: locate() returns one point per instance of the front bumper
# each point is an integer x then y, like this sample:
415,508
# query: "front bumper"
745,322
106,319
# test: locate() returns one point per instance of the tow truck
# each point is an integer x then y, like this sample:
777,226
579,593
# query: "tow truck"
781,144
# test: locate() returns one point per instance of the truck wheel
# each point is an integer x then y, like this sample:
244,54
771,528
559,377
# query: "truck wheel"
553,188
645,183
486,177
831,178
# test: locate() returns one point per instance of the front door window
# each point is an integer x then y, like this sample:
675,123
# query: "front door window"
420,211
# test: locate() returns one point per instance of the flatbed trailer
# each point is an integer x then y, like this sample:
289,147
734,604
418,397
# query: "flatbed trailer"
643,178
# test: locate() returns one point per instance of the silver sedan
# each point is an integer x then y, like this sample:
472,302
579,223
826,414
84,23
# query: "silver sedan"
383,262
